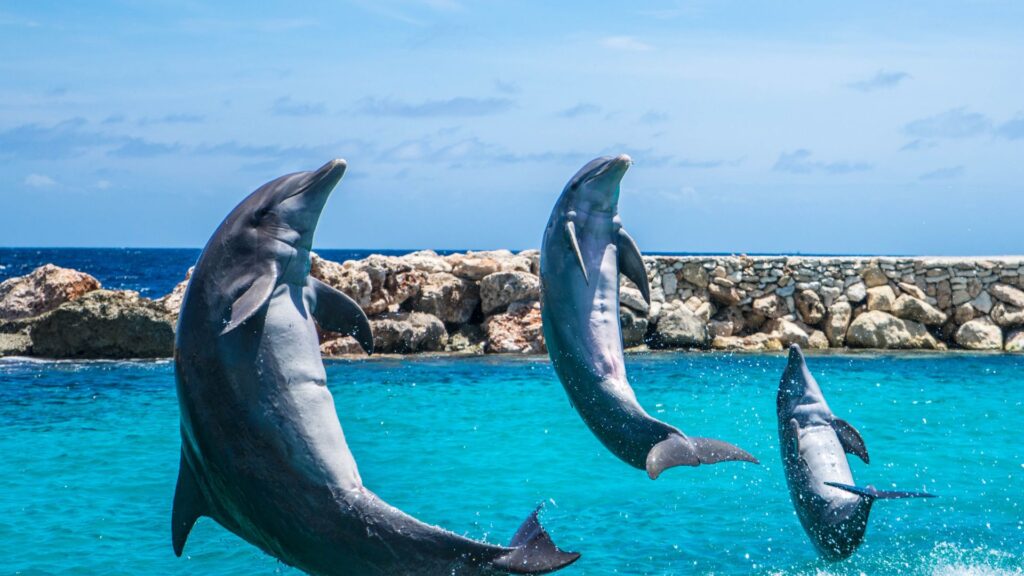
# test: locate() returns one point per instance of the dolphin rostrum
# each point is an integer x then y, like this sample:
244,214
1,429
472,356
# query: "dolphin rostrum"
585,248
263,453
814,443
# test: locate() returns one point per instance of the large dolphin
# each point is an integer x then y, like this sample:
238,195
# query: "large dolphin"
585,248
262,452
814,443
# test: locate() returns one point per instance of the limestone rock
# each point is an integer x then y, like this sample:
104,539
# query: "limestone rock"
171,302
355,283
910,308
857,292
392,282
982,302
786,332
16,344
407,332
533,255
839,315
881,298
632,298
518,330
873,276
1015,341
341,346
809,306
476,265
911,289
500,289
695,274
963,313
680,327
726,295
1007,294
758,342
817,340
980,334
634,327
42,290
877,329
771,306
468,339
448,297
427,261
105,324
727,322
1007,316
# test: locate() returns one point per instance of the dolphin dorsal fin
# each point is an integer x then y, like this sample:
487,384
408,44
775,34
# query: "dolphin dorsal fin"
631,264
250,302
570,233
850,439
189,505
336,312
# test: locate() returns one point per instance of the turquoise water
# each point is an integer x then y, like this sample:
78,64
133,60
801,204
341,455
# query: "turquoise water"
90,453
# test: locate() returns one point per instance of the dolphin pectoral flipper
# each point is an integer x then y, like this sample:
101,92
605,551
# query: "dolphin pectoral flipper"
850,438
679,450
188,506
334,311
570,234
875,494
631,263
533,550
250,302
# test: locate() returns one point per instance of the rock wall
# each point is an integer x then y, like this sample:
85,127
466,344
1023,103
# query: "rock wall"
478,302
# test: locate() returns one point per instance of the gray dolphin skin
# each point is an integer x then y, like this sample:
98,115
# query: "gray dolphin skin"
585,248
263,453
814,443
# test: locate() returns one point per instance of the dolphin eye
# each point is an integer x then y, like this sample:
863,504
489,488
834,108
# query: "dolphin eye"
259,215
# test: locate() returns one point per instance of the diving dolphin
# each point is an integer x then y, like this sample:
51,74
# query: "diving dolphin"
585,248
262,450
814,443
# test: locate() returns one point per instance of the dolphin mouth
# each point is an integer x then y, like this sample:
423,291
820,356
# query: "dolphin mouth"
613,168
327,176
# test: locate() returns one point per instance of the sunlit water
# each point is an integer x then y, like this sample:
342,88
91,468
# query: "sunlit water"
89,454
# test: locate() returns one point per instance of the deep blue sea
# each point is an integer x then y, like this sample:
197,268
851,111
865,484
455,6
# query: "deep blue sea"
90,454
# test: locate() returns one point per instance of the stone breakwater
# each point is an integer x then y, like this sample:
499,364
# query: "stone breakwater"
489,302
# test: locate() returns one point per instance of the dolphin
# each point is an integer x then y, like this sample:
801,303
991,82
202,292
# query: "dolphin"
585,248
814,443
262,450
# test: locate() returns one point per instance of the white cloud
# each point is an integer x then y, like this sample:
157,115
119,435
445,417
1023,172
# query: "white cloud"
627,43
39,181
102,184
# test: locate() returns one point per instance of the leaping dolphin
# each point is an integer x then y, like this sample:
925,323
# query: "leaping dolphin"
584,249
262,452
814,443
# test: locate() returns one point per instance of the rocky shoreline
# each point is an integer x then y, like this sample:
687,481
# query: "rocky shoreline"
489,302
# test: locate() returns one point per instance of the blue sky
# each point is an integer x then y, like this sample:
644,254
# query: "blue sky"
755,127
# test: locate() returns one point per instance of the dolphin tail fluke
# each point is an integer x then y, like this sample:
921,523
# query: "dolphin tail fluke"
677,450
875,494
188,506
533,550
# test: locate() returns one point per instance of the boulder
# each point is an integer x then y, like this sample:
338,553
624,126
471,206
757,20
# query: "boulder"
427,261
873,276
881,298
341,346
42,290
839,315
817,340
786,332
913,290
963,313
911,308
982,302
517,330
354,282
477,265
15,344
758,342
771,306
533,255
500,289
980,334
468,339
105,324
171,302
857,292
877,329
1015,341
695,274
725,294
727,322
447,297
1007,316
680,327
407,332
392,282
634,327
632,298
1008,294
809,306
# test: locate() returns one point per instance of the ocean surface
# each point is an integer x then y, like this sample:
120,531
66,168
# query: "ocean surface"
90,456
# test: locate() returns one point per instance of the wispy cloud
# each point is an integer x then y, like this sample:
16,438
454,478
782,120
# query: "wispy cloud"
1012,130
39,181
66,138
947,173
581,109
626,43
285,106
139,148
654,117
453,107
800,162
506,87
167,119
918,144
687,163
954,123
882,79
